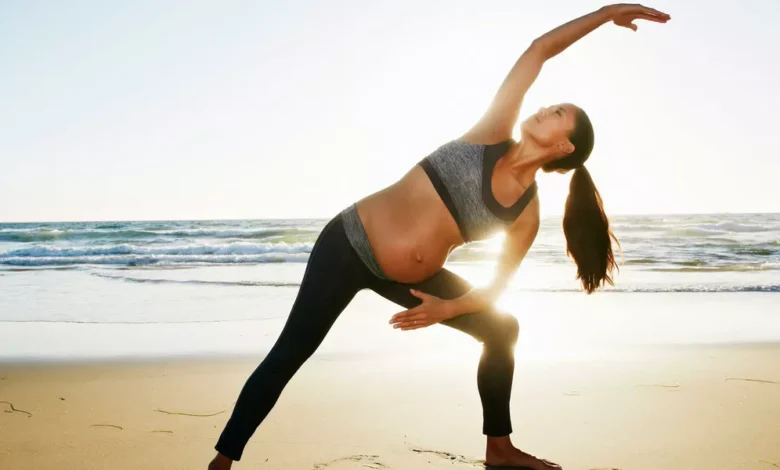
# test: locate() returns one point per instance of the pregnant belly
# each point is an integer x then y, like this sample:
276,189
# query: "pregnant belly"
409,262
411,232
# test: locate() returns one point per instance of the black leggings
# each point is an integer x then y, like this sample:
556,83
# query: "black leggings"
333,276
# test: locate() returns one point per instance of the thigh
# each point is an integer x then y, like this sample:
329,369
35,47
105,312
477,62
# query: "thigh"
333,275
445,285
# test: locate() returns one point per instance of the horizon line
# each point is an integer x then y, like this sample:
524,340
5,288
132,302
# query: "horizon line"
549,216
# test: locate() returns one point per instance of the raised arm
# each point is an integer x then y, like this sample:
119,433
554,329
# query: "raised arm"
497,123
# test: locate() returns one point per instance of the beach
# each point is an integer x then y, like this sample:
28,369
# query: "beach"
700,407
167,170
125,345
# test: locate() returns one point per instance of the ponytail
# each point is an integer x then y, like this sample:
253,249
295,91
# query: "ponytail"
588,236
585,225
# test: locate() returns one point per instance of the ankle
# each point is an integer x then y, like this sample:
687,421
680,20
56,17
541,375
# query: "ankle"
499,444
220,462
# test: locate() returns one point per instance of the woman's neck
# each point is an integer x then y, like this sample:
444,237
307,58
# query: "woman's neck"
525,158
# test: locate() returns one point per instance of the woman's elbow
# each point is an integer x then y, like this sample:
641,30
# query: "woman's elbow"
537,48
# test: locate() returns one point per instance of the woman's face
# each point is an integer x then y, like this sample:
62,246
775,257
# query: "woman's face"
550,126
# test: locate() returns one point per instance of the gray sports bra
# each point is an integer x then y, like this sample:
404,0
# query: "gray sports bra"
461,172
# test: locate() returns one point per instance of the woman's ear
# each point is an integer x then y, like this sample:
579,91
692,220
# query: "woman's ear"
565,148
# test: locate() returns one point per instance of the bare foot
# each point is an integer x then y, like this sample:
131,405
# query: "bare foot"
220,462
501,452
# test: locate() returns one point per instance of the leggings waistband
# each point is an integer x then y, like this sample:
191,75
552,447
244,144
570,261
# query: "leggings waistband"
356,234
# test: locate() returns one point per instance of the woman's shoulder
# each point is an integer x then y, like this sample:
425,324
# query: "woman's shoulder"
456,148
486,138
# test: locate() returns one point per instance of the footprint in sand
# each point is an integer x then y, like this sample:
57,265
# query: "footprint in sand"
449,456
352,462
14,409
114,426
477,463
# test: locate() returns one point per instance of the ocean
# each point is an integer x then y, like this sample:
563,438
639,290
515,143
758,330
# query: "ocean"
180,287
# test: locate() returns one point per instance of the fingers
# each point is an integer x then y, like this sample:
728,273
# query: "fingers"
410,320
653,12
654,18
627,21
420,295
412,325
627,24
405,314
414,321
411,317
417,317
415,313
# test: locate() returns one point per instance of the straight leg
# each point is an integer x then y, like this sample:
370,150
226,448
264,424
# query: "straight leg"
333,276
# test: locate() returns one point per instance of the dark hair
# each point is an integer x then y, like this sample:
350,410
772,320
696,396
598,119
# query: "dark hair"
588,236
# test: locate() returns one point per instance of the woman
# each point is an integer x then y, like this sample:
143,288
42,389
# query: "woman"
396,241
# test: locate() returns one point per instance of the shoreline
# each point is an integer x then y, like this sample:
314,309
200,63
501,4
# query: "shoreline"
357,356
551,325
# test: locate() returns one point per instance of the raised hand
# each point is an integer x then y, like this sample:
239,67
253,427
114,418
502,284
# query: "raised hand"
624,14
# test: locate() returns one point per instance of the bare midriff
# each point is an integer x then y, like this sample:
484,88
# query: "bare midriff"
409,228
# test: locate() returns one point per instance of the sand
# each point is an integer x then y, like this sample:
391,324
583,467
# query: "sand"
703,407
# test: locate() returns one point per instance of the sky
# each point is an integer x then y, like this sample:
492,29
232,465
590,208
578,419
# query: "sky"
196,109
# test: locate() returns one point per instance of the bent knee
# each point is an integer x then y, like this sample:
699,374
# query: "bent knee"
504,331
512,328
